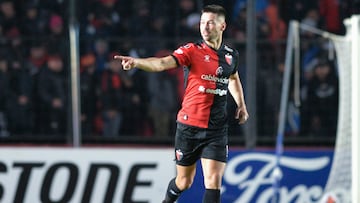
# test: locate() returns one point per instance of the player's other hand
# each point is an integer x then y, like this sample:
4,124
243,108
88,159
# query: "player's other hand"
241,114
126,61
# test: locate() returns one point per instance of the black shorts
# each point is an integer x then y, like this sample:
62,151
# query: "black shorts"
193,143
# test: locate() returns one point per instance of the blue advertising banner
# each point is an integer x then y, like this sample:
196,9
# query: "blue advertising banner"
248,177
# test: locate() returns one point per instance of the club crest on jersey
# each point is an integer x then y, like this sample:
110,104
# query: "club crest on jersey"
228,58
179,154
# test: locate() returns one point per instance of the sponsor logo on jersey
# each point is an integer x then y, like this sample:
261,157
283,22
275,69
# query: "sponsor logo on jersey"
213,78
219,92
201,88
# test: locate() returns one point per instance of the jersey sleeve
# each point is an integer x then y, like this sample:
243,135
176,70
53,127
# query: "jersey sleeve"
183,54
236,62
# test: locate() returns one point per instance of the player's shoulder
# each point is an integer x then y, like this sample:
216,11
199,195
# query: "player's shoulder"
229,48
187,48
190,45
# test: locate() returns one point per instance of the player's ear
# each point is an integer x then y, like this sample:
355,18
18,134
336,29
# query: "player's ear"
223,26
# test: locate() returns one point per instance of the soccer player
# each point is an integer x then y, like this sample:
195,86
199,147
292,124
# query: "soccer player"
202,121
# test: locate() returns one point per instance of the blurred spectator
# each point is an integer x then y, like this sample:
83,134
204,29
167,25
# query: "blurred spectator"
56,40
163,18
237,29
312,19
162,88
273,30
141,25
20,116
310,58
160,32
33,23
59,7
15,48
37,57
52,94
269,96
330,12
8,19
278,28
4,95
136,98
101,51
189,18
239,5
31,30
295,9
140,21
103,19
322,102
348,8
238,19
88,92
112,98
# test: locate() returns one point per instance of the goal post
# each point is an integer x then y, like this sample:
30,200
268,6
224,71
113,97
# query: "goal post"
355,61
339,182
343,184
344,179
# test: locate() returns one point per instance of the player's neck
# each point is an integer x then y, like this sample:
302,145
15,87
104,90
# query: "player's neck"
215,44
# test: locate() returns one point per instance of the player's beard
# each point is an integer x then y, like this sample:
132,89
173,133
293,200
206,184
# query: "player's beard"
206,37
209,36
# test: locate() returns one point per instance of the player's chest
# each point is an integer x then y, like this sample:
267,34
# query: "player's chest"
220,64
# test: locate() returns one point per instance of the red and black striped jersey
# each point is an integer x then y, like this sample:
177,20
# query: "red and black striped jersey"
207,73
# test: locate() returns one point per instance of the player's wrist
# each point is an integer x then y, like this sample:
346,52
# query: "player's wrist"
242,106
134,63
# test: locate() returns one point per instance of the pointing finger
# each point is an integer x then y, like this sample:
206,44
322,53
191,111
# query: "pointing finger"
118,57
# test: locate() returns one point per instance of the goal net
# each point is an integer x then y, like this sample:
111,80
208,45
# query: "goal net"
343,184
343,181
339,182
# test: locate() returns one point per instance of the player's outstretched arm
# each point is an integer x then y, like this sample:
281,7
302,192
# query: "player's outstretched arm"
152,64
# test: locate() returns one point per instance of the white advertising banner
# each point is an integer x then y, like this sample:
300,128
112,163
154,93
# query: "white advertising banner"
131,175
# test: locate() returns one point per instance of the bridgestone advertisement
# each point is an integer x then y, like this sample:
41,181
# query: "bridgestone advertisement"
93,175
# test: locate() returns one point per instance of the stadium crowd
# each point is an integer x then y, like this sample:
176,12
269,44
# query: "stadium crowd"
35,71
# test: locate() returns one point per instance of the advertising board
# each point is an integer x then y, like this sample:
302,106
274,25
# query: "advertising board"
84,175
141,175
248,177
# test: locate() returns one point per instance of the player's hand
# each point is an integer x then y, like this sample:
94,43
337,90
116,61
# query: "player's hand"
241,114
126,61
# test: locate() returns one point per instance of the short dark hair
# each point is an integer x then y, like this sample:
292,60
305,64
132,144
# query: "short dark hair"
213,8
